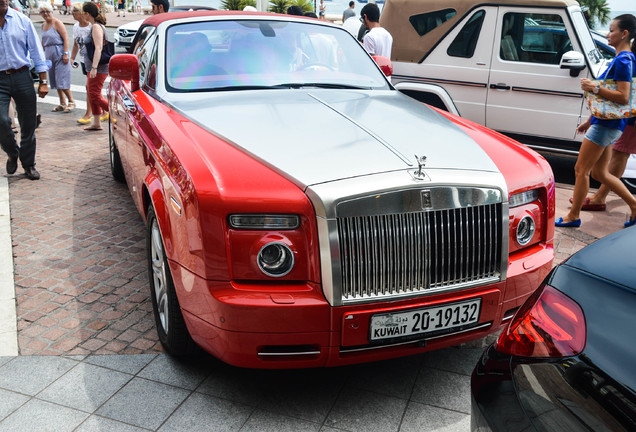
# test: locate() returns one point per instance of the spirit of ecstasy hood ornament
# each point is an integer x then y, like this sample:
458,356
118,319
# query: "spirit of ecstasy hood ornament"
419,174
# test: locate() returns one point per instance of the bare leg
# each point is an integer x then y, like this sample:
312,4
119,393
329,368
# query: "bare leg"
589,154
600,173
88,114
617,165
69,96
60,94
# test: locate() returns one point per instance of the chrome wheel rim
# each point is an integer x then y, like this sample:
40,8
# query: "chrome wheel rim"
159,279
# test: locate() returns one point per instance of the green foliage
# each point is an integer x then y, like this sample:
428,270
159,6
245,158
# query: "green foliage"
305,5
279,6
595,10
236,4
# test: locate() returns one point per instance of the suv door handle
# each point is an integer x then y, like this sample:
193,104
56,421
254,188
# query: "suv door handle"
500,86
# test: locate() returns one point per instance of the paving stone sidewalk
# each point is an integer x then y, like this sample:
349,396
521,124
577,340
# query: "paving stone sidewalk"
78,245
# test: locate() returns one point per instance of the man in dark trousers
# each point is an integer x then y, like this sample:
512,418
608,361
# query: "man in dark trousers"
20,45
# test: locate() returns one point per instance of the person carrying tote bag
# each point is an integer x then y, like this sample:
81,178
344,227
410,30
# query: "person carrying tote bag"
96,73
594,153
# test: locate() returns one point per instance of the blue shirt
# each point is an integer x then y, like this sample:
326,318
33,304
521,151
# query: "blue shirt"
19,43
622,68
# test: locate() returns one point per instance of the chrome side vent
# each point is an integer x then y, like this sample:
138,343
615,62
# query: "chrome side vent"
394,255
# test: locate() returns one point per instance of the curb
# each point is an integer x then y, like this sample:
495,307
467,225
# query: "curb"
8,318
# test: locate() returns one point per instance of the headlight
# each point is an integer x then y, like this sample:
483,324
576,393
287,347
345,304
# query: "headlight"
275,259
525,230
264,221
523,198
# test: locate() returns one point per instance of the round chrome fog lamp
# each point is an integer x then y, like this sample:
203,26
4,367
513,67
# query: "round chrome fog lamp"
275,259
525,230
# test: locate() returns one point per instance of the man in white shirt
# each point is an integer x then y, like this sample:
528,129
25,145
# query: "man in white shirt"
377,41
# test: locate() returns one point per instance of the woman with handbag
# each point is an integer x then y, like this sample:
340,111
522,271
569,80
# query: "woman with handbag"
600,134
56,50
97,70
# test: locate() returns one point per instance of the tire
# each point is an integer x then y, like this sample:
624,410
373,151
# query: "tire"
630,183
171,328
116,168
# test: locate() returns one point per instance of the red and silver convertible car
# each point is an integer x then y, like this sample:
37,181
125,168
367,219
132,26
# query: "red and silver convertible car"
290,222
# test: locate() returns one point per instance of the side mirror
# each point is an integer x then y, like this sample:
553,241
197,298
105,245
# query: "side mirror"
574,61
385,65
125,67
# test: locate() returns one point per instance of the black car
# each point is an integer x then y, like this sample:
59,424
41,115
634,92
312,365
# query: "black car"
567,360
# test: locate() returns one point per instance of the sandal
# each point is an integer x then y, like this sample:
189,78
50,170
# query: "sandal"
93,128
59,108
590,207
83,120
69,107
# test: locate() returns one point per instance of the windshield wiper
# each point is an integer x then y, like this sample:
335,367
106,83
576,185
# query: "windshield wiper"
323,85
248,87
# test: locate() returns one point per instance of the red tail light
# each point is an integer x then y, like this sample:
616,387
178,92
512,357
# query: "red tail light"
549,324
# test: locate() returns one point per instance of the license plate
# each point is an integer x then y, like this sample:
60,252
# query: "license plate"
424,321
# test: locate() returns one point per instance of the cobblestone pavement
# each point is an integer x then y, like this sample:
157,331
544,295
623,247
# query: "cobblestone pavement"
78,244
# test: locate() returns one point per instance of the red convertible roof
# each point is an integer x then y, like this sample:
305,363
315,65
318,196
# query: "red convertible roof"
155,20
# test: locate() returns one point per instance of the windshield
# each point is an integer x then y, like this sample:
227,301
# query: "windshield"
248,54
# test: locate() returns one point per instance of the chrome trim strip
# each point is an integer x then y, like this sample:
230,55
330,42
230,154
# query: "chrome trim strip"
427,292
547,92
415,341
552,149
175,205
284,354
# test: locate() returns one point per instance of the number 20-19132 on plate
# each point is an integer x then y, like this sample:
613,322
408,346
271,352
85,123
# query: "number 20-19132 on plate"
424,321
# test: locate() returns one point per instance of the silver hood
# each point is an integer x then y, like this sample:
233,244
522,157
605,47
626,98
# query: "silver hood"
315,136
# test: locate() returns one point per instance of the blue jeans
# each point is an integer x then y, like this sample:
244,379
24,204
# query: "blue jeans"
19,87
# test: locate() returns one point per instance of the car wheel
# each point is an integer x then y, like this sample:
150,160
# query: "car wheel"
116,168
630,183
171,328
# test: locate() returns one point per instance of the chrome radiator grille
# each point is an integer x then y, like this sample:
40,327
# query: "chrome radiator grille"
400,254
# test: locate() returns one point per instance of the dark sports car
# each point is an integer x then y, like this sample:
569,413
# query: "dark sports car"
567,360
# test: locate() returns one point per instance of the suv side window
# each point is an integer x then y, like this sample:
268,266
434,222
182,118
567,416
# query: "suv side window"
466,40
534,38
424,23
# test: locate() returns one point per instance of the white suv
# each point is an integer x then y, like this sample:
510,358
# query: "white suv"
513,65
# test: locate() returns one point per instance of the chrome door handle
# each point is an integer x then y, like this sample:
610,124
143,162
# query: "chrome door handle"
130,105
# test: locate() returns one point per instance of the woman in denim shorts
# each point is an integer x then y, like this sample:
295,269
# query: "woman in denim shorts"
594,153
